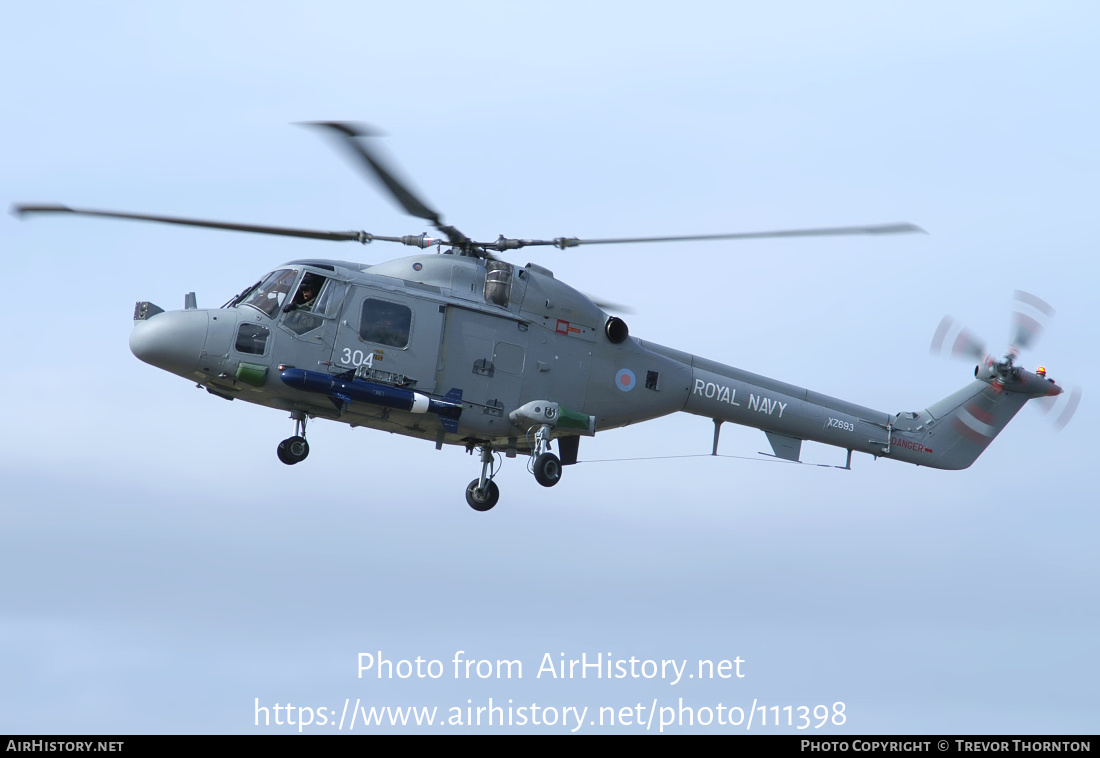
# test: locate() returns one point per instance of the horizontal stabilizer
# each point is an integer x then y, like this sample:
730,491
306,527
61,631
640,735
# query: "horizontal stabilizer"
785,447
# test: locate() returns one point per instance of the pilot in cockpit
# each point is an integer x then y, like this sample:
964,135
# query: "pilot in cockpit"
307,292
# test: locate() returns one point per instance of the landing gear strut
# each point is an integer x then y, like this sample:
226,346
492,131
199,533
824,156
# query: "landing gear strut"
547,466
483,493
295,449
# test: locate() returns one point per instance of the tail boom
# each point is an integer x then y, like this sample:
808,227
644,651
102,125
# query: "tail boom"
949,434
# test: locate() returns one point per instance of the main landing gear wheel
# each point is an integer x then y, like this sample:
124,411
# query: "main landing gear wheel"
293,450
482,500
547,470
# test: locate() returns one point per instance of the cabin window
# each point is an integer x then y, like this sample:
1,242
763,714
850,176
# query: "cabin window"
385,323
252,338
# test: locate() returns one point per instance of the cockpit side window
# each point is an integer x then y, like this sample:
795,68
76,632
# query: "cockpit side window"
316,299
332,295
271,292
306,297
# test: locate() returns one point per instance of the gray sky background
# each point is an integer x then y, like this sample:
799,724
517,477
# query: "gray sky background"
161,569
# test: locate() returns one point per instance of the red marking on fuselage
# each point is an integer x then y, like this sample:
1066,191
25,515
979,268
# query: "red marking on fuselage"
980,413
909,445
564,327
974,436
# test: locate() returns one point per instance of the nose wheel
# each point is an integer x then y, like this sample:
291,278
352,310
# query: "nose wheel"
294,449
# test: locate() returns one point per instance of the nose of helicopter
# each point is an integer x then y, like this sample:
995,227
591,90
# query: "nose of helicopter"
170,340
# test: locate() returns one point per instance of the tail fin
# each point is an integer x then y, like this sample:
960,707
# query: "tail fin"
967,421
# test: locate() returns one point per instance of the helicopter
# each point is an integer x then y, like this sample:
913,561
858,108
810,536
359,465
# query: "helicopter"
461,347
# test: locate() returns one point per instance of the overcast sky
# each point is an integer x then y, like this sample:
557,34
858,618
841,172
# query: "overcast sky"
162,570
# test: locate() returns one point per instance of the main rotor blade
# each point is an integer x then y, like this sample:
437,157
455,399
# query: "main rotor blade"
838,231
349,135
826,232
351,236
609,306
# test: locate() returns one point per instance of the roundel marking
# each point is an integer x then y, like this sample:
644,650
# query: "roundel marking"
625,380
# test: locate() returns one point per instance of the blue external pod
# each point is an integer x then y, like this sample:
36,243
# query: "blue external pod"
347,391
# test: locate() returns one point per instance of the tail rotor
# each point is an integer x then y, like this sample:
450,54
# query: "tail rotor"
953,338
1060,409
1030,316
1029,319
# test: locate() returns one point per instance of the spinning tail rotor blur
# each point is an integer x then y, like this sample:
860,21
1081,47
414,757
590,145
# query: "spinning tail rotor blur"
1030,316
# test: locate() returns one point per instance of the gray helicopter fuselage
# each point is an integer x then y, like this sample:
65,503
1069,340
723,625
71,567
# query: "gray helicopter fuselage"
528,338
475,340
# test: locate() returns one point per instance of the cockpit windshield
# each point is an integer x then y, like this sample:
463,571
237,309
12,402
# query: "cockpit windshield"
269,294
